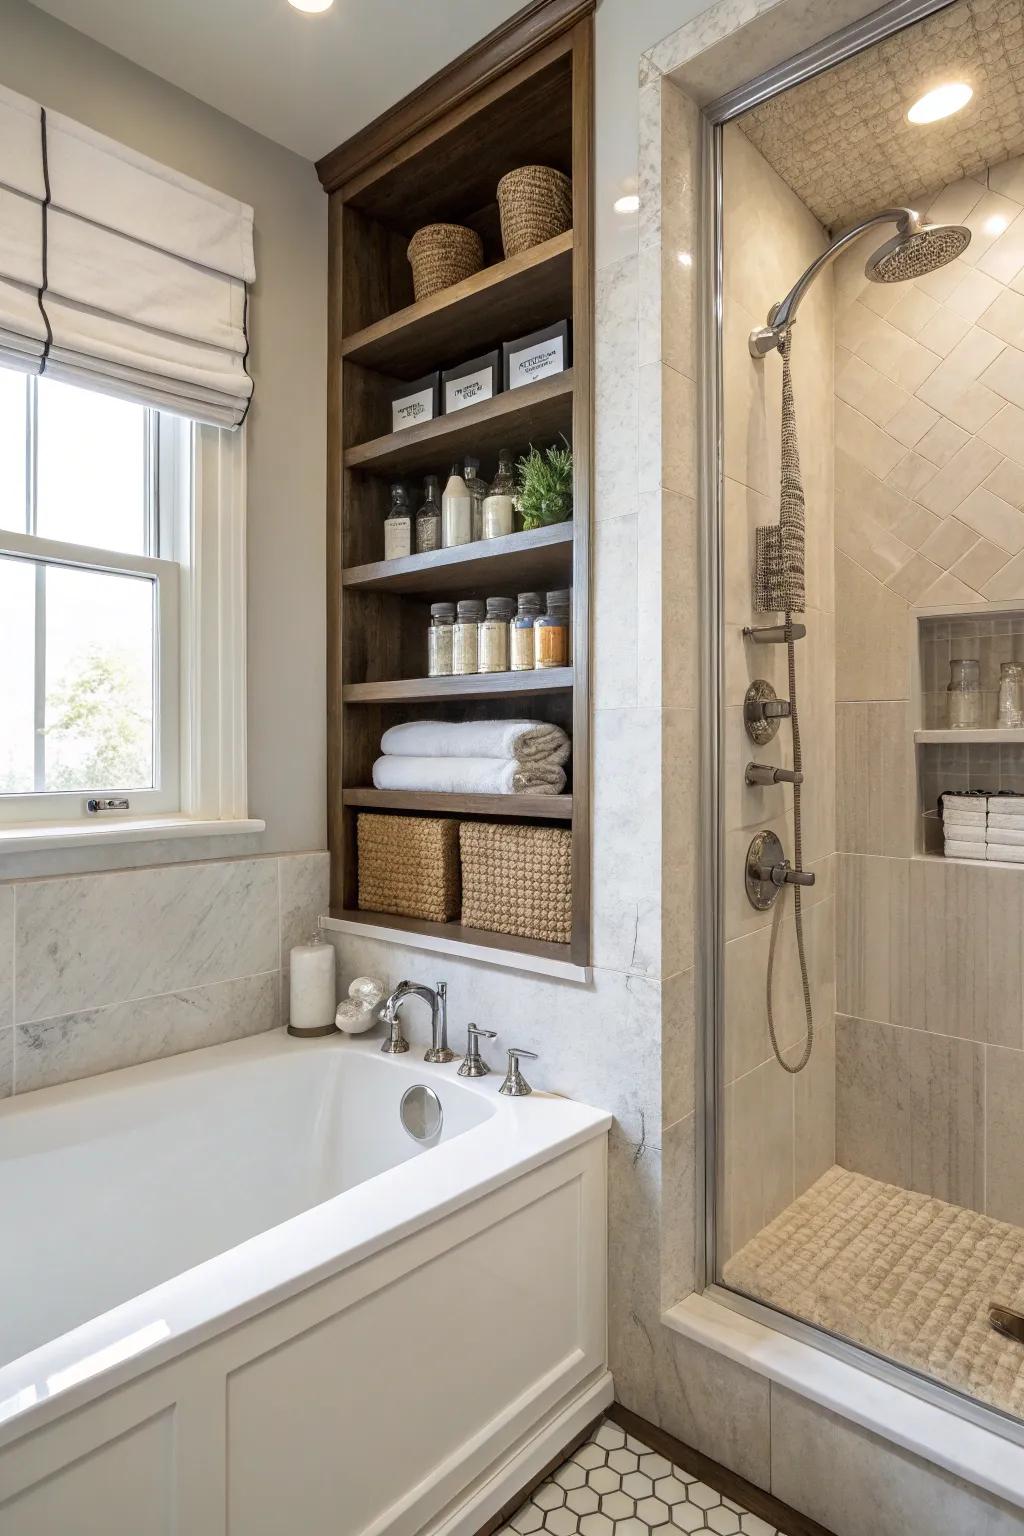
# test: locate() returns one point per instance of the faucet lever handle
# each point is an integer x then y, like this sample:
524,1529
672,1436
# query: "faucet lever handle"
515,1085
473,1064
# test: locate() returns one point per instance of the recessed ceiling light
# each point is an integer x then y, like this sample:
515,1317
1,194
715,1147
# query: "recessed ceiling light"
942,102
628,204
311,7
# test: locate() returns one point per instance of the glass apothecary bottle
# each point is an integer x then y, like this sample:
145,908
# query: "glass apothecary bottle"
1011,695
551,633
521,658
428,518
477,489
398,524
500,501
466,650
456,512
441,640
494,635
963,694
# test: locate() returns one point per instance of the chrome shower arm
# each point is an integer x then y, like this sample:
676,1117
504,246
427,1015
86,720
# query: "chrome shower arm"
781,316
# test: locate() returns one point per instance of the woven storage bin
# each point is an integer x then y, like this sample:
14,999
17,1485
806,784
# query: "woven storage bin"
409,865
442,254
535,204
517,880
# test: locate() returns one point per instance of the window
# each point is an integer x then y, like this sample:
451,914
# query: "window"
90,519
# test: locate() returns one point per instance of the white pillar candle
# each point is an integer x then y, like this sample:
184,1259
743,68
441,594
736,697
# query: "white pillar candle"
312,972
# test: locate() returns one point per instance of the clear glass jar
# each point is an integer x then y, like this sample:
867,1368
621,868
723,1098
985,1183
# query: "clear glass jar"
477,489
398,524
428,518
456,512
441,640
466,648
500,501
521,655
494,635
963,695
551,633
1011,695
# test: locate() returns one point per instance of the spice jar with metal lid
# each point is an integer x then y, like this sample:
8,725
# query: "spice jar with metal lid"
466,651
441,640
551,633
521,632
494,635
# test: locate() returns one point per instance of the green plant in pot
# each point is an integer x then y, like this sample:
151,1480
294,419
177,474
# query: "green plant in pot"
545,486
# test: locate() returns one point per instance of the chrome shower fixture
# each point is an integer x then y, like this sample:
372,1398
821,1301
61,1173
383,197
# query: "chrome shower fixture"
915,249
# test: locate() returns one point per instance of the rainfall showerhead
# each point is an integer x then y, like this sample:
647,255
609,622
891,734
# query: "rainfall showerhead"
913,251
907,256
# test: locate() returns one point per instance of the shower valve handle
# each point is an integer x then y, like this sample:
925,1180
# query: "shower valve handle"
783,873
767,773
767,709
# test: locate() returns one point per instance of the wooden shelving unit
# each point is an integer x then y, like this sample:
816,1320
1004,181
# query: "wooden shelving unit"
522,96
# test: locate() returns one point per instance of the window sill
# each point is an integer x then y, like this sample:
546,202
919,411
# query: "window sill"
41,836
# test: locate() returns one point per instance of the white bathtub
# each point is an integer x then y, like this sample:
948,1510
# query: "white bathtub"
237,1299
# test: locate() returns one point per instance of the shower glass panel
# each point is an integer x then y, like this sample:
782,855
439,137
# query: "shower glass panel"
870,1097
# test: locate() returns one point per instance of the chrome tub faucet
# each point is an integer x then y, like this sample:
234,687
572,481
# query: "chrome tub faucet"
437,997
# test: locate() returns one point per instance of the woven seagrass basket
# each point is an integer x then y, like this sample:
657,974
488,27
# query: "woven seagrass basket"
409,865
442,254
535,204
517,880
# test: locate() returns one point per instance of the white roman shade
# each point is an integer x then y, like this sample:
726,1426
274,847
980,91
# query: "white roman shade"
117,273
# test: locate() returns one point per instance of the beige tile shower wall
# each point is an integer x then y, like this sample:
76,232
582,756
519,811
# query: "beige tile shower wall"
779,1129
929,511
105,971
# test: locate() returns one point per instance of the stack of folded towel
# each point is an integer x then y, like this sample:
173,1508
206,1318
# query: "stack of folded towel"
475,757
977,826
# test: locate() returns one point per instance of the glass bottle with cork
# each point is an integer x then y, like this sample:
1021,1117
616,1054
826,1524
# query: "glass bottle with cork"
398,525
477,489
551,632
500,501
521,658
428,518
456,512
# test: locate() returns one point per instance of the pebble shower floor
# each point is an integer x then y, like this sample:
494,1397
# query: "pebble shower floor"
614,1485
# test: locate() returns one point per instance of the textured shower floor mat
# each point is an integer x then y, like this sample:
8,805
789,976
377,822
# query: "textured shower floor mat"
906,1275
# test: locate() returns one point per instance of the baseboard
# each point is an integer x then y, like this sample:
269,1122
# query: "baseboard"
495,1495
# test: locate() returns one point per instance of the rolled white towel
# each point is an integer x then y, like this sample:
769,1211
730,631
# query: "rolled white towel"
1005,834
525,740
468,775
1010,853
1006,805
1006,824
955,850
962,834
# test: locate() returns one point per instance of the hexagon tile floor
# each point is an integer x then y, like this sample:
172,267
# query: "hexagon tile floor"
613,1485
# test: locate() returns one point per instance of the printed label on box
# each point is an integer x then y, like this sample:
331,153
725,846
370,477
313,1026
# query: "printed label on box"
411,409
536,362
467,390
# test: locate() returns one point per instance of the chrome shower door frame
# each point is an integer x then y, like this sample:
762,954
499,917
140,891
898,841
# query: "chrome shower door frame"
712,873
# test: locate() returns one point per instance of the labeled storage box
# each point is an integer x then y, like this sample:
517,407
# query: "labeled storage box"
536,356
417,401
517,880
409,865
469,383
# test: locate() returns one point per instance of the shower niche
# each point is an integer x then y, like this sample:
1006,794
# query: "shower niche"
985,756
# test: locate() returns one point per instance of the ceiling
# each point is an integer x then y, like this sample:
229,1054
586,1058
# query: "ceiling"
308,82
842,140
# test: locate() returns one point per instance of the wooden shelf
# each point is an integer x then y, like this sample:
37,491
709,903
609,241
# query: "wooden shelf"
527,560
535,413
453,933
989,735
481,685
531,807
503,301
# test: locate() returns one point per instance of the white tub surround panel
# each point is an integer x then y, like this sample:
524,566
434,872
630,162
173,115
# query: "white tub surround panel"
348,1247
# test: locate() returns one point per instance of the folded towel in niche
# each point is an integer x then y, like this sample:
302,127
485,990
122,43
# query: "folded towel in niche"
469,775
964,818
526,741
1006,805
997,834
955,850
1011,853
1006,824
959,833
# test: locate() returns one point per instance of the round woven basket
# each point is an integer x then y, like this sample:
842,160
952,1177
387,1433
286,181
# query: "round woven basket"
442,254
535,204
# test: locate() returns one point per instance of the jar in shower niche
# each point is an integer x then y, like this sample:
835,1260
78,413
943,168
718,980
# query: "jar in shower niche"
1011,695
494,635
551,633
963,695
441,640
521,657
466,648
500,501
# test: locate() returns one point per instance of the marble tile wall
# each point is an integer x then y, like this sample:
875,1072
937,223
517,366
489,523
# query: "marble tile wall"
105,971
